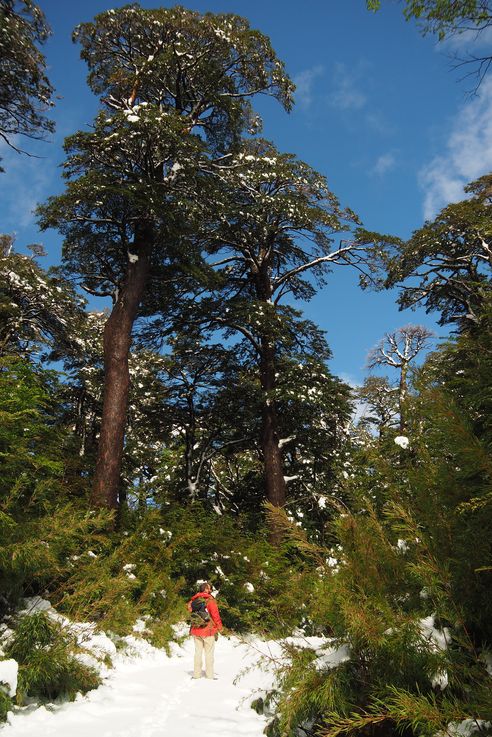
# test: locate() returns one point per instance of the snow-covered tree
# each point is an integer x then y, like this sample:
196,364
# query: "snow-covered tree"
25,91
381,402
446,266
176,88
398,350
279,227
39,309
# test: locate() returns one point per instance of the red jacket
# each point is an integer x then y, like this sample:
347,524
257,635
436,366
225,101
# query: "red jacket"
215,623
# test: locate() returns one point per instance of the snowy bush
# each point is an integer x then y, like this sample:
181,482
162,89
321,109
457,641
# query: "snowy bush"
48,667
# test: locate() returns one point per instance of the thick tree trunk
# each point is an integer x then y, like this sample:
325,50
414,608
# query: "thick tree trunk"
275,486
117,342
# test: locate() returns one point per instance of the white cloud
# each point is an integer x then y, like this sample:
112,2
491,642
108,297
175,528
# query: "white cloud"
346,95
349,379
469,40
384,163
378,123
24,183
304,85
468,154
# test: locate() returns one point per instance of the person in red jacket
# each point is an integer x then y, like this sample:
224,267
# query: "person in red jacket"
205,637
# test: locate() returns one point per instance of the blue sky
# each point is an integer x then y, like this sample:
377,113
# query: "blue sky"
378,111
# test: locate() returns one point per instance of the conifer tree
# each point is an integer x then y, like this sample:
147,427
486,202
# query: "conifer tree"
279,227
201,381
25,91
381,401
446,266
39,309
176,89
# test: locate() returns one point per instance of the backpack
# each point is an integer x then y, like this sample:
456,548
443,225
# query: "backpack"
199,616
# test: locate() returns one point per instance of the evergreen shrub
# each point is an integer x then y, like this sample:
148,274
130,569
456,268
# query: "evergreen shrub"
5,705
48,667
404,589
262,587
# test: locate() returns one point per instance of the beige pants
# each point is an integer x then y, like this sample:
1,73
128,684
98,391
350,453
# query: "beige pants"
204,645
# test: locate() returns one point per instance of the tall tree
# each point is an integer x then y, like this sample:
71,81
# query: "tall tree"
279,227
398,350
446,266
176,88
25,91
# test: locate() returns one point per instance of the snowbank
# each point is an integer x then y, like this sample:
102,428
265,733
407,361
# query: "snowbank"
8,676
149,694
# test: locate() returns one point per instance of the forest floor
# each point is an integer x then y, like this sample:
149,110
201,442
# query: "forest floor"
151,694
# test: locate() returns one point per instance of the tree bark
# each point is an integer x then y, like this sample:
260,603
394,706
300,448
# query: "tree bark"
275,486
402,397
117,342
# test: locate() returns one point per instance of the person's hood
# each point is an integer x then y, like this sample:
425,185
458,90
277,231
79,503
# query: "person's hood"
202,595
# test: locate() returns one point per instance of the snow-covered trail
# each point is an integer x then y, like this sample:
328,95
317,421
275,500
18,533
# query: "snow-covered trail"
154,696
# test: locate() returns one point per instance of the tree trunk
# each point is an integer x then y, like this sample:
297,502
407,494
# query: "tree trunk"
117,342
275,486
402,398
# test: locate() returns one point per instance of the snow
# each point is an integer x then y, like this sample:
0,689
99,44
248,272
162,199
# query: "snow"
331,657
34,604
284,441
440,679
97,644
438,639
150,694
221,573
8,675
402,441
487,659
466,728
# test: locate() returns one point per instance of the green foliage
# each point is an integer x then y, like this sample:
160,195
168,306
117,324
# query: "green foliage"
444,17
47,665
5,705
29,440
125,577
36,555
381,401
39,311
25,91
259,583
399,711
41,526
406,583
447,260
